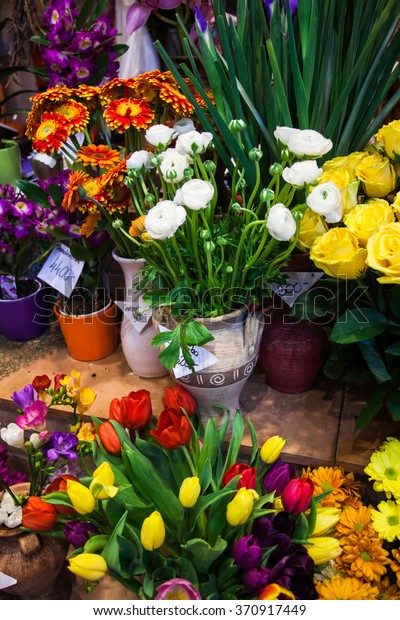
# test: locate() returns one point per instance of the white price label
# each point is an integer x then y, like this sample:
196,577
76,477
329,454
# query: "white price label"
297,282
201,357
61,270
139,316
6,581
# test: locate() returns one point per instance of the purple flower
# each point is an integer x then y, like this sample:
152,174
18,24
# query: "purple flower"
77,532
56,61
139,13
61,444
268,536
277,476
271,4
83,42
177,590
34,416
25,397
256,579
247,552
201,20
82,69
295,572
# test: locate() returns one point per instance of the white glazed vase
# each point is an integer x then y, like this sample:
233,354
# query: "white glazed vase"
139,353
236,344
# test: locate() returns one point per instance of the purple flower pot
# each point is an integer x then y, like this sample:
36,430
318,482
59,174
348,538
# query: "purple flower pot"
26,318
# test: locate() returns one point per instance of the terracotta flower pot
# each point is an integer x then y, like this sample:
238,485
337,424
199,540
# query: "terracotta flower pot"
89,336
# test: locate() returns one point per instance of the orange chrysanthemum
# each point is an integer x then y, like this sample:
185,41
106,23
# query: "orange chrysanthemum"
344,490
55,94
365,558
387,591
115,176
355,521
83,91
52,132
71,197
144,84
76,114
90,224
346,589
116,89
395,564
98,155
137,226
121,114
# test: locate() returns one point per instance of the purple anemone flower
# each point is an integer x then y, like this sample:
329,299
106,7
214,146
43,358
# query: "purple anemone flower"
61,444
25,397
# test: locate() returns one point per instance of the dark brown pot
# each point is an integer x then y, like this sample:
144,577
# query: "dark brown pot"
292,353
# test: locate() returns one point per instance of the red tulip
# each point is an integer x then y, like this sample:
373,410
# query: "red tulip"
248,476
60,484
41,383
37,515
173,429
109,438
177,397
297,494
133,411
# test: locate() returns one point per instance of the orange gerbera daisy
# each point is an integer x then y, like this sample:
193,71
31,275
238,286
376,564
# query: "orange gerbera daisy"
355,521
71,197
117,88
365,558
98,155
170,93
90,224
52,132
344,490
57,93
346,589
83,91
121,114
144,84
76,114
116,175
137,226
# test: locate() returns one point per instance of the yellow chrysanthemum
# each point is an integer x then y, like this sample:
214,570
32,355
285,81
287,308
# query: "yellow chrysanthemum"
387,591
365,558
355,521
384,468
386,520
344,490
346,589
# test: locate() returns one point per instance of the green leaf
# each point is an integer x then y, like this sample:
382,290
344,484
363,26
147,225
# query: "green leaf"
33,192
197,334
111,551
374,361
235,442
393,404
79,252
393,349
358,324
202,554
372,407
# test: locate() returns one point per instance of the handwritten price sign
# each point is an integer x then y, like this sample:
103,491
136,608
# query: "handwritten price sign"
61,270
201,357
297,283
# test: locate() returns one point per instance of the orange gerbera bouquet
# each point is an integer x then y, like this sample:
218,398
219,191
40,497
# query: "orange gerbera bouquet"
96,129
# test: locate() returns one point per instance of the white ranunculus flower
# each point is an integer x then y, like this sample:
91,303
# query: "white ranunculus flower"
138,159
159,135
326,200
308,142
173,165
302,172
195,194
281,223
183,126
193,142
13,435
164,219
15,518
282,134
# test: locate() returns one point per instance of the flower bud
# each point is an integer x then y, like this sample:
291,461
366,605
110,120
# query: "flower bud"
117,224
278,476
229,269
80,496
204,234
189,492
109,438
237,124
267,194
221,241
239,509
255,154
210,167
275,169
272,449
152,533
101,486
155,160
209,246
90,566
150,199
171,174
323,549
327,517
96,543
297,494
188,173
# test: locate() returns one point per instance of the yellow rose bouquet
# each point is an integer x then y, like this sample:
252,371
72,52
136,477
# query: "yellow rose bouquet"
352,230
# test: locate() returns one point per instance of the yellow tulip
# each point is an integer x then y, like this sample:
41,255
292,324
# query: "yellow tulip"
272,449
189,492
323,549
80,496
327,517
240,508
86,399
90,566
103,480
152,534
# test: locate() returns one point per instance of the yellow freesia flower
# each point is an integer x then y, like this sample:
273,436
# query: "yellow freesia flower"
86,399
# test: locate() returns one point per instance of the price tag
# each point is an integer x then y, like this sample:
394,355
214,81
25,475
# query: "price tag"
139,316
201,357
297,283
61,270
6,581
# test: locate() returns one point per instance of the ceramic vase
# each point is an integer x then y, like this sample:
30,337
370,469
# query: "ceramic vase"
139,353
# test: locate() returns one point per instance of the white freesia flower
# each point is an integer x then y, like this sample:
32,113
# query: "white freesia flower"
138,159
308,142
13,435
8,503
164,219
283,134
35,440
326,200
15,518
159,135
281,223
183,126
173,165
195,194
302,172
193,142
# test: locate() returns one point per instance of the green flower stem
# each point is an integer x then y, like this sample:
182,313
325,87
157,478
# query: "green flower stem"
256,186
7,489
240,246
180,259
205,222
164,19
166,262
222,261
254,258
189,460
209,269
193,226
199,167
281,257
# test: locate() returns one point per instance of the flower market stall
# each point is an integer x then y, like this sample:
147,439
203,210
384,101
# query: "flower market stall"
199,304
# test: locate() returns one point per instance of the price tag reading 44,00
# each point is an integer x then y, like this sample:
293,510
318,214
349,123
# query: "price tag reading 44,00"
61,270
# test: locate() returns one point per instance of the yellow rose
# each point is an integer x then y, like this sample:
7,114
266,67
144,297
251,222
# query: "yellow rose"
396,205
365,219
377,175
348,163
311,226
348,188
389,136
384,253
338,253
